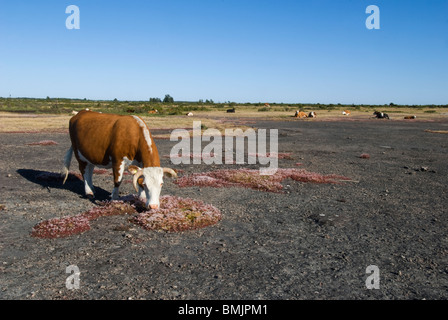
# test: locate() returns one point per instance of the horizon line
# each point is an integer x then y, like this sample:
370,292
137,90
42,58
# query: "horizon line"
231,102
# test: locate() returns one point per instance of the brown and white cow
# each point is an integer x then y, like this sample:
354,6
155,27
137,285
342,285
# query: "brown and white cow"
312,114
346,112
115,141
300,114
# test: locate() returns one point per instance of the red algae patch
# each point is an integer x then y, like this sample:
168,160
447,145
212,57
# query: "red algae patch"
61,227
110,208
201,156
102,171
281,155
175,214
193,155
68,226
43,143
211,155
251,178
178,214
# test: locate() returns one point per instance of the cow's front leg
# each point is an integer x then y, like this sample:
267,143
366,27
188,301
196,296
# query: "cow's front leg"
141,194
133,169
118,170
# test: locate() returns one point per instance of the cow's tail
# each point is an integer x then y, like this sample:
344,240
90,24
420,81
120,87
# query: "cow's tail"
67,161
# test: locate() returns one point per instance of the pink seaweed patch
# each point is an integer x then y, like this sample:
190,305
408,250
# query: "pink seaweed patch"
110,208
178,214
61,227
206,156
68,226
202,157
281,155
194,155
43,143
101,171
251,178
175,214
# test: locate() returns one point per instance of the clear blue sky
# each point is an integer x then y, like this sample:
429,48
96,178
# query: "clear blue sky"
316,51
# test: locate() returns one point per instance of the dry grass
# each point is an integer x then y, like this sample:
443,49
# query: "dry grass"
12,122
218,119
276,113
30,123
437,131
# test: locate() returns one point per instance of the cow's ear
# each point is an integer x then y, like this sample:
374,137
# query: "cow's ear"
133,169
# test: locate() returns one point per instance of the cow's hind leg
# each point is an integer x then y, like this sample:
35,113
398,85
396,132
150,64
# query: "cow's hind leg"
87,173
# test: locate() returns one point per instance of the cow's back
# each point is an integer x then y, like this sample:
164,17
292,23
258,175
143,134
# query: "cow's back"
91,134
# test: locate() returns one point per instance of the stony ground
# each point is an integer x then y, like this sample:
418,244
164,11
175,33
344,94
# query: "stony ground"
314,241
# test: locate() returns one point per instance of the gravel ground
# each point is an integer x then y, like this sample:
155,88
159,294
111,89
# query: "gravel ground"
314,241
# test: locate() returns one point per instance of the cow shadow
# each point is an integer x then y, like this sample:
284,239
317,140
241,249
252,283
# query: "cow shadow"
53,180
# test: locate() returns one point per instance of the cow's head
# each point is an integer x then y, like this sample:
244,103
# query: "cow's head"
148,183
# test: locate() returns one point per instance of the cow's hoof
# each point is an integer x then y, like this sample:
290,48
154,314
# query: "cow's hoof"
90,196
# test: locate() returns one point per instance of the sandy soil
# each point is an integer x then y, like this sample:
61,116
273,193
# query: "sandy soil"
314,241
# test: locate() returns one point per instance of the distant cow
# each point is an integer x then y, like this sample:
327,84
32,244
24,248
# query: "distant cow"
300,114
76,112
410,117
153,111
231,110
381,115
189,114
312,114
115,141
346,112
